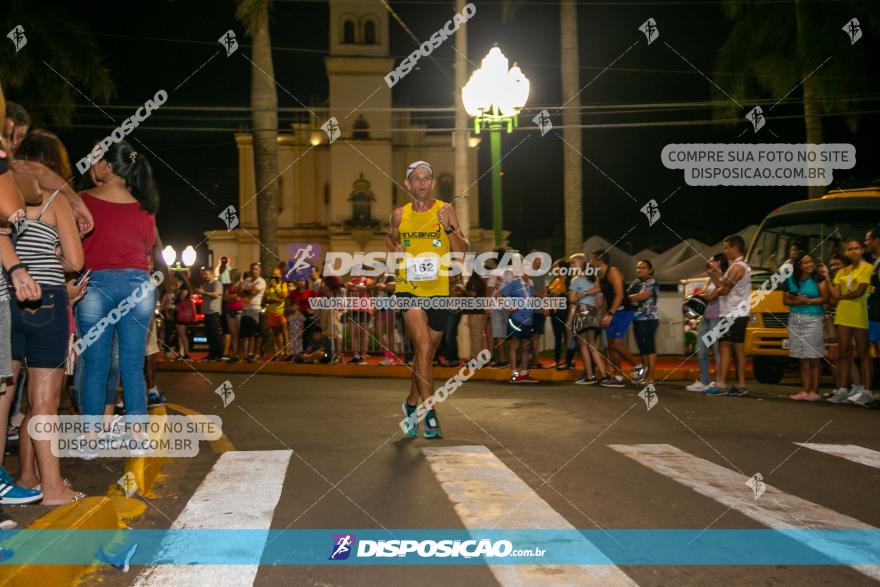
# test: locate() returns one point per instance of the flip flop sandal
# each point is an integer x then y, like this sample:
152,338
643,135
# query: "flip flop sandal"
66,482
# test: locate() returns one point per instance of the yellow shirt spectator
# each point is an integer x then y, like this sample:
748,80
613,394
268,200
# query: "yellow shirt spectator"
853,313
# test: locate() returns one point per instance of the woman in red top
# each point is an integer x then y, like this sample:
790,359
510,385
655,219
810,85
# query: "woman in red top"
121,297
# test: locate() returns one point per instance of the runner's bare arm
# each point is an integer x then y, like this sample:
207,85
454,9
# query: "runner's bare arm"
449,221
393,238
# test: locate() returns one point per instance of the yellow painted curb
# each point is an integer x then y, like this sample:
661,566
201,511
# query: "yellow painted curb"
110,512
91,513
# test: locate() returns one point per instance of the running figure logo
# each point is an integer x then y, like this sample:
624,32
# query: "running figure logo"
331,127
854,30
542,119
301,261
650,30
228,42
18,38
652,211
229,217
756,117
342,545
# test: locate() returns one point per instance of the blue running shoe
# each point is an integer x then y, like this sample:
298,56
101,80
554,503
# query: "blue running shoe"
412,430
432,426
5,477
714,389
12,494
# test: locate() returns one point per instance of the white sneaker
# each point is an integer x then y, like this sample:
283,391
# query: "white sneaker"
386,361
639,372
697,386
840,395
863,397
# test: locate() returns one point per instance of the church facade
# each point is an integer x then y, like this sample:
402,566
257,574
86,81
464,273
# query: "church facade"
339,196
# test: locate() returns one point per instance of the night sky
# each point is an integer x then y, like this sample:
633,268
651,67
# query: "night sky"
153,45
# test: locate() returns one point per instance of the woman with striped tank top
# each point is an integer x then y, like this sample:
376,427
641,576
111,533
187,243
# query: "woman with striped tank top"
40,329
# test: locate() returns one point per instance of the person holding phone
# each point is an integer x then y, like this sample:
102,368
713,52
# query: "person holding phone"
805,293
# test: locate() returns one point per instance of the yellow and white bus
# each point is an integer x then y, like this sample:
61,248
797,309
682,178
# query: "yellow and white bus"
819,226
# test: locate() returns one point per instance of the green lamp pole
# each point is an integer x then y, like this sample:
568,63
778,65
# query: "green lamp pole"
494,96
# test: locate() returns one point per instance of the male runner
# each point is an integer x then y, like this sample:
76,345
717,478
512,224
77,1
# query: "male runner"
426,229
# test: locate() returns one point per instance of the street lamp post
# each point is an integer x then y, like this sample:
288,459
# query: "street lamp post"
188,257
494,96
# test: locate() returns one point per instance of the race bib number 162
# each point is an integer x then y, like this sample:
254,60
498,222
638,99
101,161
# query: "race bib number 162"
422,268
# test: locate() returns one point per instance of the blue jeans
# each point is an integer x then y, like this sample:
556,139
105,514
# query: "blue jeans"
100,315
79,377
706,325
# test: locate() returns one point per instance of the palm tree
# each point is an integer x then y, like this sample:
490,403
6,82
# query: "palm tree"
571,133
55,41
254,14
782,52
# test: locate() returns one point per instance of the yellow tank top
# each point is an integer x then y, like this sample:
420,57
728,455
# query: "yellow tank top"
425,240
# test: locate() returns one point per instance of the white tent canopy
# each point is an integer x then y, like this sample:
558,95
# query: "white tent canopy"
684,260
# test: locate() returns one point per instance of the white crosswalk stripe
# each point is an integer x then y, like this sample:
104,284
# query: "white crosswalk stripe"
774,508
226,500
850,452
486,493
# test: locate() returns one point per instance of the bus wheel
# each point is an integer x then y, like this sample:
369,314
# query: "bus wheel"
768,369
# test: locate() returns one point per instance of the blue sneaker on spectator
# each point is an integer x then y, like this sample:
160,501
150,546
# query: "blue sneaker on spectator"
155,399
12,494
714,389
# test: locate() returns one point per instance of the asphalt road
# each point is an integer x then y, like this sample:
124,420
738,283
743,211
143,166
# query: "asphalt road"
351,468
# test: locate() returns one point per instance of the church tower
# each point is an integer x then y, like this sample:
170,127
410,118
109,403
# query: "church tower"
360,100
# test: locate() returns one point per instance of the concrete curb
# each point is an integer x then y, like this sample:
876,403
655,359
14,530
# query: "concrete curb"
686,372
